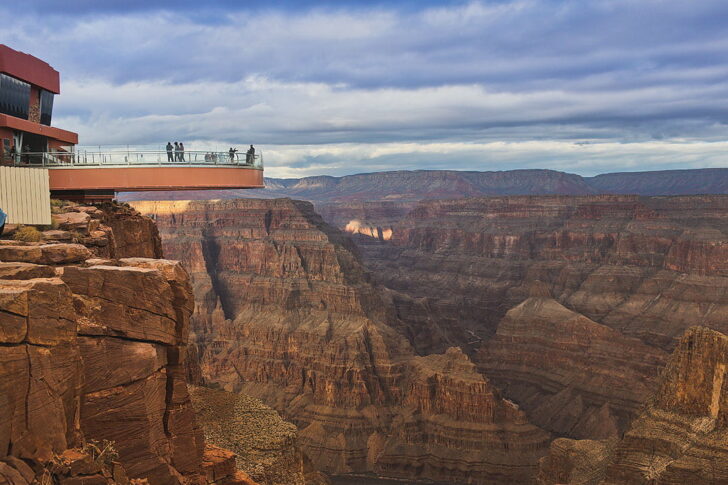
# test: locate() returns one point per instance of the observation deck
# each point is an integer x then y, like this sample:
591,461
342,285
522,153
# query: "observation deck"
95,176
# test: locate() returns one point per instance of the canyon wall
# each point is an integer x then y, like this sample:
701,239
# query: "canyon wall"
606,276
92,353
415,351
576,377
287,313
679,437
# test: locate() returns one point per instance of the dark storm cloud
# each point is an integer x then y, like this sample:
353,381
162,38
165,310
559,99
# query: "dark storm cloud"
200,7
506,45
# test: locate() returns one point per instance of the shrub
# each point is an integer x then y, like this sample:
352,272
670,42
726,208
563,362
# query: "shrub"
27,234
57,206
103,453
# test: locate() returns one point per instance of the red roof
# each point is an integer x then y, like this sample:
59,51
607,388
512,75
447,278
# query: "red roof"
14,123
29,69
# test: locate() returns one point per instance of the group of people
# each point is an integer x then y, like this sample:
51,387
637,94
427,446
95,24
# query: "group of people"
175,153
249,155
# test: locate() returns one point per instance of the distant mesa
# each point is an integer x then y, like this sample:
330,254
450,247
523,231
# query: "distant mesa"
400,187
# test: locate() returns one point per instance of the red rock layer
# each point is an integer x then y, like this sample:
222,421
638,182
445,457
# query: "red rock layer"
96,353
288,314
682,434
473,259
131,234
92,352
645,267
356,217
563,368
110,230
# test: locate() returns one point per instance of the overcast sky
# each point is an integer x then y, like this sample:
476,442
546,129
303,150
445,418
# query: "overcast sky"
340,87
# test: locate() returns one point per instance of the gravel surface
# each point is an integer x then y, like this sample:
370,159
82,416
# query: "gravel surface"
264,442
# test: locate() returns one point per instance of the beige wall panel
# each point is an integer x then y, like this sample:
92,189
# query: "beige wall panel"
25,196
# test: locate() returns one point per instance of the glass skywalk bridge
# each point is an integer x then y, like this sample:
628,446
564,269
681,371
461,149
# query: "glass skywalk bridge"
98,175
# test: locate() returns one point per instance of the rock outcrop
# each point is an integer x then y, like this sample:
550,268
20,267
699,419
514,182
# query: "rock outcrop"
109,230
680,437
455,428
95,353
92,352
572,375
220,467
287,313
576,462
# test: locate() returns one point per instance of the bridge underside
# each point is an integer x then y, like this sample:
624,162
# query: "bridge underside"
101,183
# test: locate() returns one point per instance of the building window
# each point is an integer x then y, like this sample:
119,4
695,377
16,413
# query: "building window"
14,97
46,107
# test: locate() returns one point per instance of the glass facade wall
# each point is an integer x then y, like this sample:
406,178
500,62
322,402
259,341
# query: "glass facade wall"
46,107
14,97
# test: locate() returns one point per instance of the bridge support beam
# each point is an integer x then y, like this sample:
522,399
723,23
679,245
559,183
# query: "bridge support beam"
83,195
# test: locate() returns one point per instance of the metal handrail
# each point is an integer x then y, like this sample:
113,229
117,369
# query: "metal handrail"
63,159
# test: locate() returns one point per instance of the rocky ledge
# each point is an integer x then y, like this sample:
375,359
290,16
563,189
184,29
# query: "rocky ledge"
108,230
92,353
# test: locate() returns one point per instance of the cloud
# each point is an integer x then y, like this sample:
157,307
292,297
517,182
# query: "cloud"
326,85
274,112
590,159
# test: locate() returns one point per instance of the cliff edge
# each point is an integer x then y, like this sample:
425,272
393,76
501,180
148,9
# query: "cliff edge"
92,353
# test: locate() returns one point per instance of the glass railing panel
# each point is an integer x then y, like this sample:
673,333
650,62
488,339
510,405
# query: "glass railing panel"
136,158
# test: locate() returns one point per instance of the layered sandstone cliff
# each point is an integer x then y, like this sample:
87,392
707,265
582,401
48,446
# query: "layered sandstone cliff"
287,313
572,375
85,358
603,256
680,437
109,230
626,276
92,351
